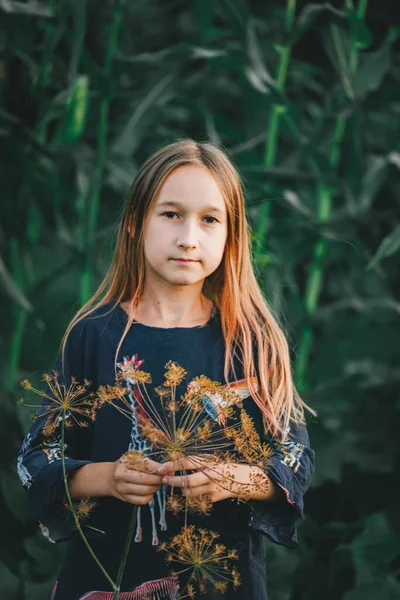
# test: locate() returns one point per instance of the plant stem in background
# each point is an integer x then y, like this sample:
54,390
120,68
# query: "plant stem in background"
277,108
17,246
324,208
93,209
78,526
20,314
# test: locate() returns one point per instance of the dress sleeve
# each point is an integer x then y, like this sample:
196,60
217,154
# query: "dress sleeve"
291,467
39,459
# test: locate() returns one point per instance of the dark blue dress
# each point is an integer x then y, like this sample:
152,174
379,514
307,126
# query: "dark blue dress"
89,354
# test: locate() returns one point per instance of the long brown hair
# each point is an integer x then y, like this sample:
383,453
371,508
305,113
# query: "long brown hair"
246,318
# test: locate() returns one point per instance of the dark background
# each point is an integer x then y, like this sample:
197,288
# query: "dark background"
305,98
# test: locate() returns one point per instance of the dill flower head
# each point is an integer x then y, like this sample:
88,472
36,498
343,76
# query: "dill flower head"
207,563
142,376
175,374
83,508
189,431
201,504
175,503
106,394
132,457
181,429
136,459
248,444
71,404
114,395
26,384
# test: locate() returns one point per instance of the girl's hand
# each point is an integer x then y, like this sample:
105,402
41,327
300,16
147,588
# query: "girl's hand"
217,480
135,484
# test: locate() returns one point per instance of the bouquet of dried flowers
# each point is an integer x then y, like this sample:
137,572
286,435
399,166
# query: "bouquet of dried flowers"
184,431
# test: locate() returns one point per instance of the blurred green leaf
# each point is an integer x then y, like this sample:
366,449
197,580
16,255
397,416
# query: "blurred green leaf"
386,588
43,554
337,43
8,583
372,69
12,288
257,72
374,549
127,140
360,33
35,223
316,16
78,107
388,246
372,180
31,7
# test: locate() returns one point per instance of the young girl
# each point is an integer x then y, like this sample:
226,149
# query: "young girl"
180,287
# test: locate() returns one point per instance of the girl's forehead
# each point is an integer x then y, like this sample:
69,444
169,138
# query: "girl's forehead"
190,183
185,175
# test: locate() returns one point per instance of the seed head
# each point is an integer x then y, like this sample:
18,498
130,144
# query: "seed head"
61,401
207,563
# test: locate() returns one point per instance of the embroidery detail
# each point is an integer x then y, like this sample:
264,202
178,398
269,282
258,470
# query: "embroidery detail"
140,444
212,402
292,452
24,475
160,589
53,593
45,532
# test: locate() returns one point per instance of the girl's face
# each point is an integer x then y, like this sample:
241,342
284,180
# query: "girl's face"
188,221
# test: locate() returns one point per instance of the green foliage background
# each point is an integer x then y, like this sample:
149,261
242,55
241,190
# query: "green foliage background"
305,97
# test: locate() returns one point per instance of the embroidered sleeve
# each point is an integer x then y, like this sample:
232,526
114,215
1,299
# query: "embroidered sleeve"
291,468
39,462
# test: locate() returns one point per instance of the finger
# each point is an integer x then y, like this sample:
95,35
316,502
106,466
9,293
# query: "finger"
186,463
140,463
182,481
177,465
130,489
141,478
199,490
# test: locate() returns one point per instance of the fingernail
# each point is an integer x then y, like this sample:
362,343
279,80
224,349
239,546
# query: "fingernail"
165,479
162,469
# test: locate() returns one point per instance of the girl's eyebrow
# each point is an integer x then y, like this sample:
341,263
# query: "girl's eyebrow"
178,205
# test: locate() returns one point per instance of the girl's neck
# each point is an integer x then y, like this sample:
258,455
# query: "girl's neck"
149,315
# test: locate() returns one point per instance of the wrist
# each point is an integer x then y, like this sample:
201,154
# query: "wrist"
94,480
106,479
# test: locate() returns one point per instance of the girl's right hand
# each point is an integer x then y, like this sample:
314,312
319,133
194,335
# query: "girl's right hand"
135,484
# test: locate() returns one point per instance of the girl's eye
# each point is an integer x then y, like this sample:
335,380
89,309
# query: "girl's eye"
174,213
168,213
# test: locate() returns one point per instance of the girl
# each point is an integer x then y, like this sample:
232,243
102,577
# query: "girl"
180,287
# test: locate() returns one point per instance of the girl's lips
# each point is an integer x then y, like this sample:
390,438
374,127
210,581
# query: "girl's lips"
184,261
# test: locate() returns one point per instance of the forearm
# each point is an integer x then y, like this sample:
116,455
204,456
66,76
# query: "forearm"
91,480
257,485
271,492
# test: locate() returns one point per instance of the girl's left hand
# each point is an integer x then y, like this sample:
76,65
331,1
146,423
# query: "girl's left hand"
217,480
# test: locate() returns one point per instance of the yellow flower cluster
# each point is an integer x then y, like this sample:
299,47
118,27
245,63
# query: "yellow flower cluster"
207,562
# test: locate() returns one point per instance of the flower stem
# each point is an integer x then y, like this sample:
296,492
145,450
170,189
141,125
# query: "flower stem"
78,526
128,541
